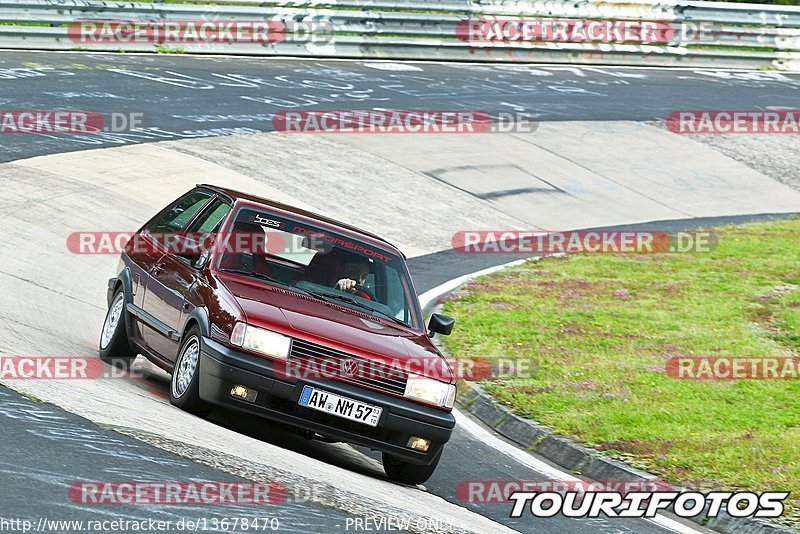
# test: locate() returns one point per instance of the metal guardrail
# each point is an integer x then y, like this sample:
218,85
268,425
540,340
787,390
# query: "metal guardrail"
704,34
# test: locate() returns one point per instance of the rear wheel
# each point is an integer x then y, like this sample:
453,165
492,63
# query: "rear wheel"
115,349
406,472
184,386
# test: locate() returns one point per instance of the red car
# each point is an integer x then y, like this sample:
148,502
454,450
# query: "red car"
271,310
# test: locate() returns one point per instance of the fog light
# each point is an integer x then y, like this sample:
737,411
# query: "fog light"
419,444
241,392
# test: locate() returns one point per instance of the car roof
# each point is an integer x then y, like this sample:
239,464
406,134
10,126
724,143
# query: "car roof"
234,195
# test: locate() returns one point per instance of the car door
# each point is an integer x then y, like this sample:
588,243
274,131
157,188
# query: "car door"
155,319
142,255
174,276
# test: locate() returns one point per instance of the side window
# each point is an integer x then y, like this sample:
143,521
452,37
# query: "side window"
395,295
175,218
211,217
202,227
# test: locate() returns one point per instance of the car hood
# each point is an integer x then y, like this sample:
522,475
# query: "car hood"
335,326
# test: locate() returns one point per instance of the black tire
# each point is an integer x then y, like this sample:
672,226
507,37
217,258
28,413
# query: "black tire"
184,385
406,472
114,347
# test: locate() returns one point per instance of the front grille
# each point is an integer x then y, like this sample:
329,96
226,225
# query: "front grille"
333,364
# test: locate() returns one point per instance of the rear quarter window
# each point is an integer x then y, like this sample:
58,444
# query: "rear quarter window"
179,214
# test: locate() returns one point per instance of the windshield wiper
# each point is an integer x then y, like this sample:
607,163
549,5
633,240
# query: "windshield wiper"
255,275
354,302
268,278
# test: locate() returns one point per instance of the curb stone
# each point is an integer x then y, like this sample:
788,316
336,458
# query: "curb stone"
540,440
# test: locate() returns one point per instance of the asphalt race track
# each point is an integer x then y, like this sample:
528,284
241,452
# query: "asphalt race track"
188,97
46,448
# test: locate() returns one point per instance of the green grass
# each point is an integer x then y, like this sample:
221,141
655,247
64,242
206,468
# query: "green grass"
601,328
164,49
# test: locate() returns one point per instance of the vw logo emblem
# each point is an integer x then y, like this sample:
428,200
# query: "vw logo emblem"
350,367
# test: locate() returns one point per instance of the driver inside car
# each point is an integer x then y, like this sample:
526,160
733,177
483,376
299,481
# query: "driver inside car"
352,277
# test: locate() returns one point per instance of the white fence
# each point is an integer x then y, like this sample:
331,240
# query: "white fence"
697,33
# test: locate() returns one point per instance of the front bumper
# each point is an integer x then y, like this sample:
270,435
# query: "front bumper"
221,368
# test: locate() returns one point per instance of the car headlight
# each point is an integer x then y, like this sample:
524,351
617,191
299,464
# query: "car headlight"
430,390
261,340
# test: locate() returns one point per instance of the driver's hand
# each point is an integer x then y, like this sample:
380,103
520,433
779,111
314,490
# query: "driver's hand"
346,284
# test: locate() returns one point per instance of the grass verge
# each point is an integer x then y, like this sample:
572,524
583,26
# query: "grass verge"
601,329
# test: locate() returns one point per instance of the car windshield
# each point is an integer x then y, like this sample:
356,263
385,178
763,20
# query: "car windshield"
330,266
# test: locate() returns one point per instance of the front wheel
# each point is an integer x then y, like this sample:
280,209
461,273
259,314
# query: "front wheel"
184,386
115,349
406,472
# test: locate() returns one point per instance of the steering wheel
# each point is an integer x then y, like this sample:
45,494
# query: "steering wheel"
364,292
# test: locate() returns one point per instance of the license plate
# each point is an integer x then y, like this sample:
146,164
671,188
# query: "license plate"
331,403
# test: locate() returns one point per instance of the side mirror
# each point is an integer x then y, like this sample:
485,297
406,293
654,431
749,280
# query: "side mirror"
200,262
188,249
440,324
